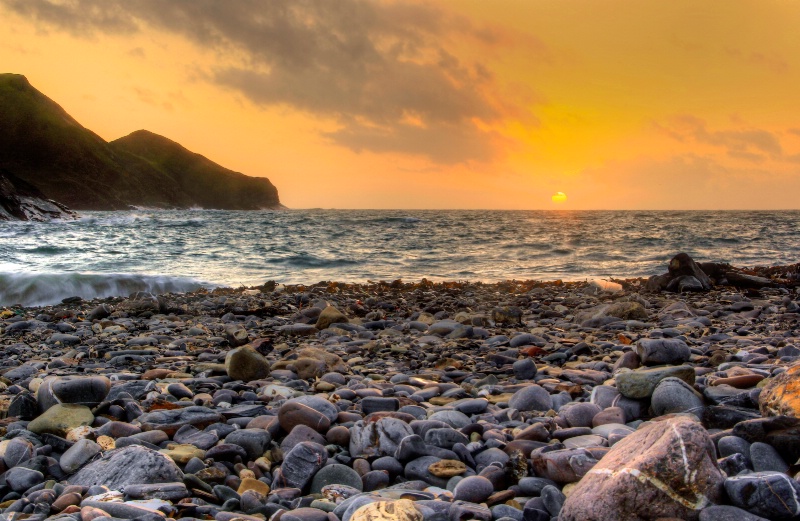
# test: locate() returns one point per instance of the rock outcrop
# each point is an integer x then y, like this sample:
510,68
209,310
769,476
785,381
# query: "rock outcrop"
20,201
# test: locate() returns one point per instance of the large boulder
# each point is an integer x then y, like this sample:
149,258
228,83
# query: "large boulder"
665,469
128,466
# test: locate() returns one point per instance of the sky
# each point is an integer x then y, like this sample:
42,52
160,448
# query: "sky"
442,104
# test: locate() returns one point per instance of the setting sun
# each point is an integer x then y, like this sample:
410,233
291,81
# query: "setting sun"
559,197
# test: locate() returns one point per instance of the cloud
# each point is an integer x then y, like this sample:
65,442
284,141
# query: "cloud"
770,61
368,66
682,182
750,144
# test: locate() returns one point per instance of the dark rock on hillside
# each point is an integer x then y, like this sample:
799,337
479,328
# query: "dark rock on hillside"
45,147
20,201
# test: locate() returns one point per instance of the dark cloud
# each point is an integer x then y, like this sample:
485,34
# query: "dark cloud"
370,66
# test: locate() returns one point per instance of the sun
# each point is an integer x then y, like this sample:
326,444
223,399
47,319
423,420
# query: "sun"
559,197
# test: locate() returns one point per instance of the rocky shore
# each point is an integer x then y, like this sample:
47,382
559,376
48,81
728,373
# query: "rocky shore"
394,401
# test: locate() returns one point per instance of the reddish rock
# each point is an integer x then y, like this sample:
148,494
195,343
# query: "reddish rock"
295,413
563,466
665,469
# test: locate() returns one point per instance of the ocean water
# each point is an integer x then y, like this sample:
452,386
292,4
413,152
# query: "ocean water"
117,253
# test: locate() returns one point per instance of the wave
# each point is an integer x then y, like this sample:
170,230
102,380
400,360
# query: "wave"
310,261
43,289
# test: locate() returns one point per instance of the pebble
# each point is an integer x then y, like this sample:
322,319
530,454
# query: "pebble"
475,489
532,401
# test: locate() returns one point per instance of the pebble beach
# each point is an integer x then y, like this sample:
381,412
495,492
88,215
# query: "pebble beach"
423,401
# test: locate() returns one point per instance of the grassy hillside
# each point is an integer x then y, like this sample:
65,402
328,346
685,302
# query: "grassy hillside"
43,145
203,181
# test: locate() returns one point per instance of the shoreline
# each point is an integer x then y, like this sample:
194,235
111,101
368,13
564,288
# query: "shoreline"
462,399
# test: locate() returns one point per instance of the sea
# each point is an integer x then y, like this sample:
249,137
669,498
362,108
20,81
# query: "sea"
105,254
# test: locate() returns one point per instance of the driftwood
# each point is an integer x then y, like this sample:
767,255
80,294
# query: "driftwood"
687,275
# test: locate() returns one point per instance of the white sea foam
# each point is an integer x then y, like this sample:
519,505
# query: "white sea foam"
40,289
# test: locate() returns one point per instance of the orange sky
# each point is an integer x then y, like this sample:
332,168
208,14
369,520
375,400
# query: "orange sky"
450,104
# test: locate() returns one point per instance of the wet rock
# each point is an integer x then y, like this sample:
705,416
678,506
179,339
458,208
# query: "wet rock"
682,265
88,391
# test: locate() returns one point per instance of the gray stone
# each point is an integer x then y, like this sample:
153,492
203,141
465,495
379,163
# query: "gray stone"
641,382
524,369
170,420
130,465
302,462
474,489
17,451
191,435
673,395
579,414
20,479
553,499
728,513
662,351
253,441
445,438
773,495
78,455
765,457
335,474
729,445
531,398
455,419
380,438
